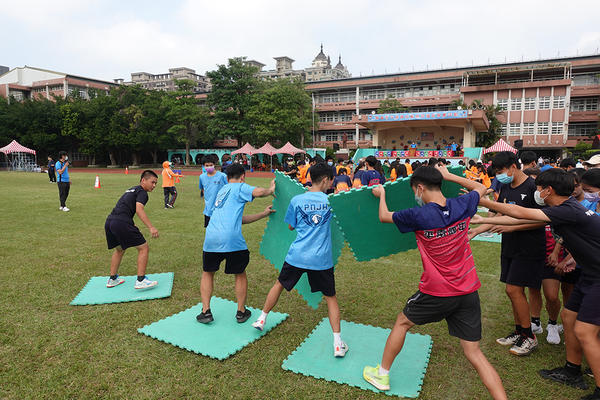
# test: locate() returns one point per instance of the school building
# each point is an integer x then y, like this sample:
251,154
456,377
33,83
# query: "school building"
550,105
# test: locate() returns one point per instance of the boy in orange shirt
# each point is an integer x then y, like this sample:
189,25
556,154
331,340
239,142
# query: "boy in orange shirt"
168,184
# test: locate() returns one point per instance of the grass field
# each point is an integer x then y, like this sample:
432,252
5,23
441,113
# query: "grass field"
49,349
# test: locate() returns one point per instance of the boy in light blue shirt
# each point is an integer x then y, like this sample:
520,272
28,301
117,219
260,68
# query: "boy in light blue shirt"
309,213
209,184
224,241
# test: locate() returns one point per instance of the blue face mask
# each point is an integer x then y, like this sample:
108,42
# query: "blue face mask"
504,178
330,163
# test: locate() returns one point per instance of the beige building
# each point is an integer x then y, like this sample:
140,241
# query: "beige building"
166,81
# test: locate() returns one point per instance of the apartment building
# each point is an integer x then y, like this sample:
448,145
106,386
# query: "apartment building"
166,81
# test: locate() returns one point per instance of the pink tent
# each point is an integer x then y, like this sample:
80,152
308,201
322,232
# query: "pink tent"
290,149
15,147
246,149
268,149
500,145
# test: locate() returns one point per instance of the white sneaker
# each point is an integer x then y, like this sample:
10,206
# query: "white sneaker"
486,234
561,329
114,282
60,208
524,346
259,324
553,336
65,209
145,284
537,328
340,351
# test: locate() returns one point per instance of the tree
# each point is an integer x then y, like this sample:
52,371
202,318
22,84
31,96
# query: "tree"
281,112
233,87
458,104
488,138
391,105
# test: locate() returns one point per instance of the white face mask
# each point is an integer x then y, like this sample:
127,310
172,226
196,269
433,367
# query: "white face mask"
539,199
419,199
592,197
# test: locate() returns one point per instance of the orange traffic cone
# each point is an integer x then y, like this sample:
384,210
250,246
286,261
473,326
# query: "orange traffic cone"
177,179
126,170
97,185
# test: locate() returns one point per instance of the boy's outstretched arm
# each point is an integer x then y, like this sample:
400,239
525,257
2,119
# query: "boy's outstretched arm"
264,192
502,220
467,183
385,215
139,210
515,211
246,219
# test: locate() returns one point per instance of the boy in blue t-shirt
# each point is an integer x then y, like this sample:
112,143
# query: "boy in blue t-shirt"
224,241
64,183
310,214
209,184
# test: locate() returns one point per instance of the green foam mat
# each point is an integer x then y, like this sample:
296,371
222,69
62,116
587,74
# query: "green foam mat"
496,238
218,339
96,292
314,357
277,238
357,213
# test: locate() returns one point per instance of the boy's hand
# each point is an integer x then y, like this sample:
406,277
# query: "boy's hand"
269,210
552,260
154,232
442,169
477,219
378,191
272,187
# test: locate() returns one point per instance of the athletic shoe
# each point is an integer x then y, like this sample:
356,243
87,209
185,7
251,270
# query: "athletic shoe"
145,284
259,324
205,317
340,351
169,205
65,209
524,346
553,336
561,329
536,328
243,316
561,375
509,339
588,372
487,234
114,282
60,208
592,396
371,375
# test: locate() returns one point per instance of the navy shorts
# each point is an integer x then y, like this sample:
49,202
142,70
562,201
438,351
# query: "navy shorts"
584,301
235,261
462,313
523,273
206,220
121,233
570,277
320,280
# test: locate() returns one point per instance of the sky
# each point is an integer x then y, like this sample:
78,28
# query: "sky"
109,39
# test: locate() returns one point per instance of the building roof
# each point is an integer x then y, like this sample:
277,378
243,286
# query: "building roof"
339,64
321,56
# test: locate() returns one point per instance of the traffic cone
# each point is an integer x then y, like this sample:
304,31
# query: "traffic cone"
126,170
97,185
177,179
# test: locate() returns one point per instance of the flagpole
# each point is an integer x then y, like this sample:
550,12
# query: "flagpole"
313,115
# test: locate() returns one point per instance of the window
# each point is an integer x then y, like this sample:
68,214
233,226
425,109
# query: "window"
515,129
502,130
544,103
331,137
516,104
348,96
78,157
529,103
327,117
503,103
583,129
557,128
374,94
528,128
330,98
56,88
559,102
345,116
584,105
542,128
350,136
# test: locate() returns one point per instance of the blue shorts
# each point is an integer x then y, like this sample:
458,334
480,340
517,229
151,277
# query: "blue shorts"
121,233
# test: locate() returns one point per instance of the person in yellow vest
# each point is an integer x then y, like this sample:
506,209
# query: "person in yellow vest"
168,184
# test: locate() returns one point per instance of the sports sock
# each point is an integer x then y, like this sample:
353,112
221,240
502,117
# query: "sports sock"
113,277
263,317
141,278
337,339
573,369
535,320
519,329
551,322
383,372
527,332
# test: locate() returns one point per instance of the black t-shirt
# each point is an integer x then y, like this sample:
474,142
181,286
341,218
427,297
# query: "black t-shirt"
579,229
125,208
523,245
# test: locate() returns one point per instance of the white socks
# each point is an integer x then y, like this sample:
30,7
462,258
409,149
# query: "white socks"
337,339
383,372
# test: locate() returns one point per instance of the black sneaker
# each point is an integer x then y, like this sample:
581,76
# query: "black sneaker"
243,316
588,372
560,374
205,317
592,396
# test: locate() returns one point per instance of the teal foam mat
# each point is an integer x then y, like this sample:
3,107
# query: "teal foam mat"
357,213
496,238
314,357
277,238
218,339
96,292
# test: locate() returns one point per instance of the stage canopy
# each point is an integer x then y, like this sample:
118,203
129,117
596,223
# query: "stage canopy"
246,149
267,149
15,147
500,145
290,149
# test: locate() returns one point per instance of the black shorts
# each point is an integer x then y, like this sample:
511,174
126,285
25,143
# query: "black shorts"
570,277
206,220
462,313
235,261
121,233
523,273
584,301
320,280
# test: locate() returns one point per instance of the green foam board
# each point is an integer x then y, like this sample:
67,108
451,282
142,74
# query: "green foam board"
96,292
314,357
277,238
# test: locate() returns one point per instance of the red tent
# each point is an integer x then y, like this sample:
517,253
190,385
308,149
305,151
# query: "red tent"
246,149
500,145
15,147
288,148
20,161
